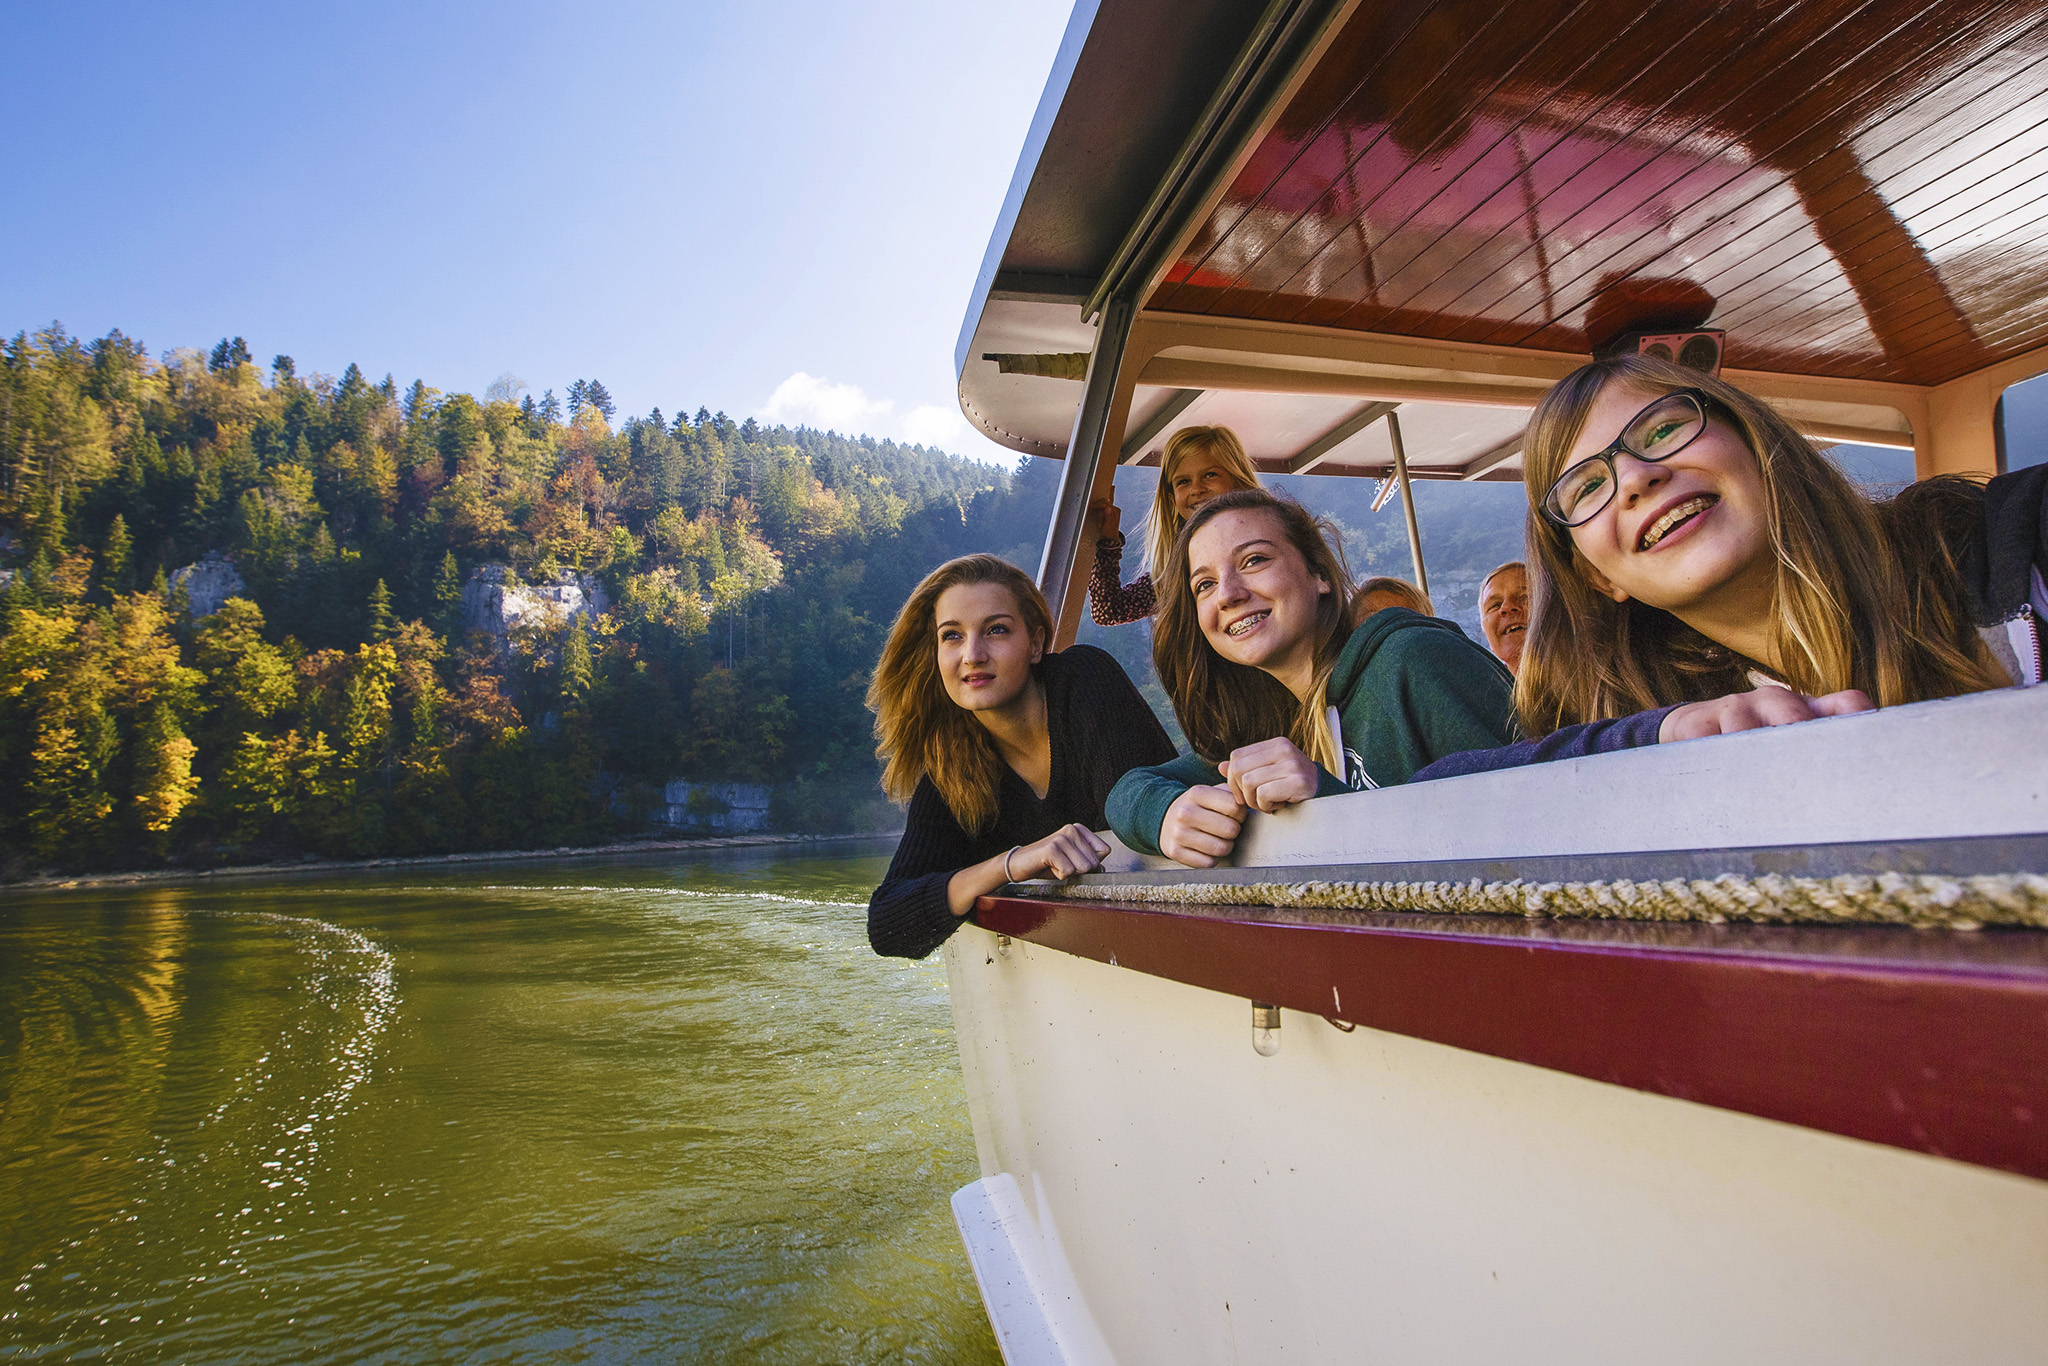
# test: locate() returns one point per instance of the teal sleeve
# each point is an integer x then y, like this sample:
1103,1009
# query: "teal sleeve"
1426,695
1136,806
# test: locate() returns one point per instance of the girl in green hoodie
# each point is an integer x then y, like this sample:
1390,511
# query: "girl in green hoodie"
1281,698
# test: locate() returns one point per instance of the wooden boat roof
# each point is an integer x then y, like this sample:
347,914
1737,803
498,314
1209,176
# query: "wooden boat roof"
1323,206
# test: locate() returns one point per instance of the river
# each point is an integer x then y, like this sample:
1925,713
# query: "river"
628,1109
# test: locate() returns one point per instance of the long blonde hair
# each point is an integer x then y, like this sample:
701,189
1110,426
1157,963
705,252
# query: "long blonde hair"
920,731
1842,618
1162,523
1223,705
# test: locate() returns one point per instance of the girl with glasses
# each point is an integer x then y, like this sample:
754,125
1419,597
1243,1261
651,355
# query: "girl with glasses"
1689,546
1282,698
1199,463
1003,750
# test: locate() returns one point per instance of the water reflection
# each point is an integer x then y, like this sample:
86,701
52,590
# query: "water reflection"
604,1110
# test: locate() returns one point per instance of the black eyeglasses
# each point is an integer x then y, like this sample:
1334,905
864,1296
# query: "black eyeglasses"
1661,430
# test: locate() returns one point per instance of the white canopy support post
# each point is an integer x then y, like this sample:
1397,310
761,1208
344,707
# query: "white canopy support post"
1317,451
1493,457
1407,502
1064,542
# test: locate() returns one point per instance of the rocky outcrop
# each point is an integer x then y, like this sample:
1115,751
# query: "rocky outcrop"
727,808
494,603
209,583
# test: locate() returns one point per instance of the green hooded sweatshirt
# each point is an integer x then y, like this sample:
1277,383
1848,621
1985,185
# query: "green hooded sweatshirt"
1409,689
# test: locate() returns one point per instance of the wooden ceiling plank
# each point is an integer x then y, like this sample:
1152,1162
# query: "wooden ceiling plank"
1650,77
1812,158
1757,260
1935,224
1386,124
2024,330
1899,270
1651,162
1315,106
1241,207
1603,239
1648,72
1554,45
1766,276
1895,282
1920,176
1748,246
1916,327
1928,355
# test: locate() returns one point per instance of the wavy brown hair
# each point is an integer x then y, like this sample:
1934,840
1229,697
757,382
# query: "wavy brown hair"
920,732
1162,523
1224,705
1845,616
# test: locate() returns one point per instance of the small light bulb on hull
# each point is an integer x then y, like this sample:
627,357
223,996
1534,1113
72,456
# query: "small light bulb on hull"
1265,1029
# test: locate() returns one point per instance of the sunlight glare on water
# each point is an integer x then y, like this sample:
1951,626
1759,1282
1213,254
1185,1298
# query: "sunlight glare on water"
600,1110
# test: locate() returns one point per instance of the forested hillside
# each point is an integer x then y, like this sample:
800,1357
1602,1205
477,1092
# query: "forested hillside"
343,705
338,706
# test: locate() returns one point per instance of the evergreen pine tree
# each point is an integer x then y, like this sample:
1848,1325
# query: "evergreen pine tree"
382,623
116,569
577,398
419,400
598,397
576,669
448,596
229,354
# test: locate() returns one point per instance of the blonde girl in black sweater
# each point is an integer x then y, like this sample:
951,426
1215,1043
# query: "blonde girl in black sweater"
1002,750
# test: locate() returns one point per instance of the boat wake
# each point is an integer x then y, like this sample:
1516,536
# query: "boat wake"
243,1151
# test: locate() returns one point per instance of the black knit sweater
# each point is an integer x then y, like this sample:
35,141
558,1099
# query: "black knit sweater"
1100,729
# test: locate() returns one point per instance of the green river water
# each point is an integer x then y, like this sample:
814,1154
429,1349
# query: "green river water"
647,1109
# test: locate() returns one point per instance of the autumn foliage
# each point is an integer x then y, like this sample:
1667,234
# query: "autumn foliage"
342,705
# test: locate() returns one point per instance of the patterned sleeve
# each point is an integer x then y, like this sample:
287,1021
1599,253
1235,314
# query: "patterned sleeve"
1109,602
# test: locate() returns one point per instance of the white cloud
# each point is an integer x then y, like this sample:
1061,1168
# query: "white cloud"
926,425
805,400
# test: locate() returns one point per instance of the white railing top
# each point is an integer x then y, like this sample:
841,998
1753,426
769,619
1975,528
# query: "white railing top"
1957,769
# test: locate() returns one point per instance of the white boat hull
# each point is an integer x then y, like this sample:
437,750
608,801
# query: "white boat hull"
1367,1196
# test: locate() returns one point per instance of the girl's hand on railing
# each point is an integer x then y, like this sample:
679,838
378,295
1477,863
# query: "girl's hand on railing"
1270,775
1767,706
1066,852
1201,826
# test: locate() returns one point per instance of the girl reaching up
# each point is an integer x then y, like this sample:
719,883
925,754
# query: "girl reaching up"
1003,750
1281,697
1199,463
1690,547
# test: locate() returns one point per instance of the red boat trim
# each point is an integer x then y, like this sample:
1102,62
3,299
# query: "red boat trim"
1945,1059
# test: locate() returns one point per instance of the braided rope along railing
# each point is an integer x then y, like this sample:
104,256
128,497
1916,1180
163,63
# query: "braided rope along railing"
1924,900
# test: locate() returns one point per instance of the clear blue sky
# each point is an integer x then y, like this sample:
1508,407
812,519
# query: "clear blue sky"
692,203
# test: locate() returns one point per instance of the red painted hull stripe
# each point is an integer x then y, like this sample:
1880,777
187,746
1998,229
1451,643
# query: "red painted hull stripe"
1947,1061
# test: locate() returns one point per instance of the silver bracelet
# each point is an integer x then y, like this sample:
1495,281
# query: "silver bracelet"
1006,862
